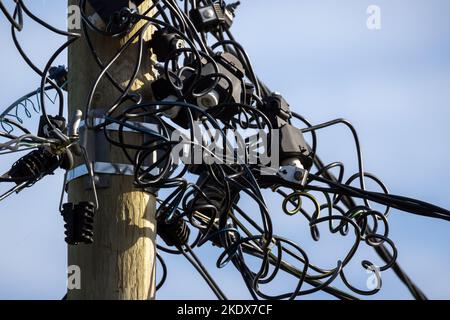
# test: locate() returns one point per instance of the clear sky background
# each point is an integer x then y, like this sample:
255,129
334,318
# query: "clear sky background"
392,84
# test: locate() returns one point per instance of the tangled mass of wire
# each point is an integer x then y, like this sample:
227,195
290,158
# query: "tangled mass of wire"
208,96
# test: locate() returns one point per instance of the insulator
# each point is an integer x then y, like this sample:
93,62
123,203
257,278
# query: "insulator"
215,196
34,166
79,222
212,206
175,233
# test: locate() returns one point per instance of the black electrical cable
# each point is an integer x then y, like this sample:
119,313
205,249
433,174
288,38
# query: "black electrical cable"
16,24
236,98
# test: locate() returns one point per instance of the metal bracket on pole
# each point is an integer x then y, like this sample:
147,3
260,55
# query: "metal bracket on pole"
100,168
98,151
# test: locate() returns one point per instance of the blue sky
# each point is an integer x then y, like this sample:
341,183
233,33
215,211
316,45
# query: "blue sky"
392,84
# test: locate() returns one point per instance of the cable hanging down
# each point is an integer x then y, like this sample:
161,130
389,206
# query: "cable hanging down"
207,100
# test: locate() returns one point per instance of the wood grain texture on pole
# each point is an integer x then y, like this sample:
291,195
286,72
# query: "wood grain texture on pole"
120,264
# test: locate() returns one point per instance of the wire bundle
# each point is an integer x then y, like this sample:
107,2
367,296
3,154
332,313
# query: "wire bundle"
207,82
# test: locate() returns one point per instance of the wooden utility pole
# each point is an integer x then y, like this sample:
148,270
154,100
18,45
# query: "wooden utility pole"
120,264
